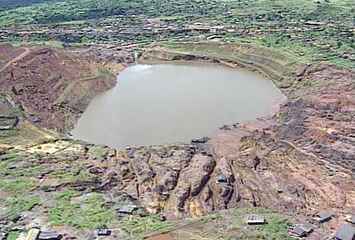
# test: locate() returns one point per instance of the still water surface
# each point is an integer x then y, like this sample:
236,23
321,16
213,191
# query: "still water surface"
158,104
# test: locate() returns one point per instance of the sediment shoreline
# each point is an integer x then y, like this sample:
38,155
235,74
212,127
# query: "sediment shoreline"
265,163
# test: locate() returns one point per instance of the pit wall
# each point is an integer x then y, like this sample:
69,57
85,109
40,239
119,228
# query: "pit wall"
274,66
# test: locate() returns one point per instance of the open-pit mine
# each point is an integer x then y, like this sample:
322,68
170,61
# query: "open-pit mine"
177,120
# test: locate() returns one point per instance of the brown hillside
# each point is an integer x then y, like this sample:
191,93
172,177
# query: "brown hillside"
41,79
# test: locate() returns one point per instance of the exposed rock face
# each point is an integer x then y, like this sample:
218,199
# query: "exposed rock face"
179,180
300,161
266,163
248,166
53,86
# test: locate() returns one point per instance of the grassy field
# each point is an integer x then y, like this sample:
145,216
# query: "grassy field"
312,31
54,11
70,10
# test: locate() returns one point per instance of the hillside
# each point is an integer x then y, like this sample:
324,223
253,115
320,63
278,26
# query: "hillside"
311,30
57,55
10,4
48,180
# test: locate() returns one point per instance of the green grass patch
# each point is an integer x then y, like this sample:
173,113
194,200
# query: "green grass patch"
99,152
4,134
211,217
25,165
275,229
105,73
137,226
17,204
74,175
90,213
13,235
17,185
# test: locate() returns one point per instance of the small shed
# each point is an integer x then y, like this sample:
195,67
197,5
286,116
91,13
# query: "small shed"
127,209
296,231
49,235
103,232
324,216
254,219
300,230
221,179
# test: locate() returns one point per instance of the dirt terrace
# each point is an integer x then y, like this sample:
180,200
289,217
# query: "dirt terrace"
298,162
52,86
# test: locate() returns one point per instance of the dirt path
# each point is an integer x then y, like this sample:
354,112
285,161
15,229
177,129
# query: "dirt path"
71,85
16,59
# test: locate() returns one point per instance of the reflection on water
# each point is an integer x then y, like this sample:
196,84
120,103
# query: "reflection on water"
157,104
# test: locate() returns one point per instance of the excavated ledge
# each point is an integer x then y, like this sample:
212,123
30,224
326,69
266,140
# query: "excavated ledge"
300,161
271,65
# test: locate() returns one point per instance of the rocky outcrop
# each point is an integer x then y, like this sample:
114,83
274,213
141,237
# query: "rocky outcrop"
299,161
53,86
266,62
246,166
267,163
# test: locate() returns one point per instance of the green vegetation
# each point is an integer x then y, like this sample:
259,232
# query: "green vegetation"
22,170
137,226
90,213
104,72
276,227
9,4
75,174
99,152
312,30
17,185
71,10
8,133
289,32
13,235
19,203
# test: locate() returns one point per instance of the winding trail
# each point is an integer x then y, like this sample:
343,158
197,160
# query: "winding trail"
16,59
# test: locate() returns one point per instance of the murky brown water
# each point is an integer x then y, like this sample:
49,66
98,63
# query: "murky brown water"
157,104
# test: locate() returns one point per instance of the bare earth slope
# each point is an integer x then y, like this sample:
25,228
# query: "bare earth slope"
52,85
297,163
